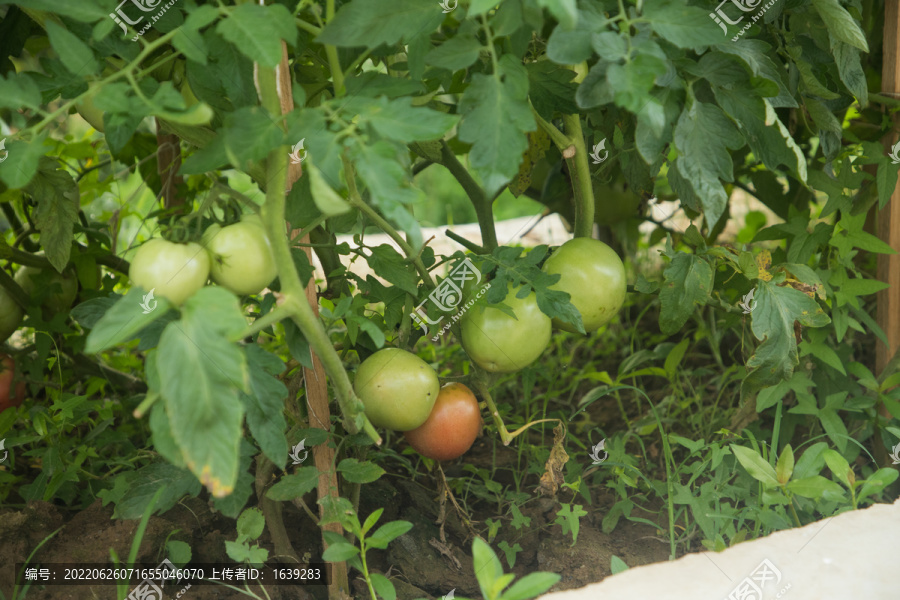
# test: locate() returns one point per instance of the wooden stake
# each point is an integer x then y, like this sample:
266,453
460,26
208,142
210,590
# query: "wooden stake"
316,384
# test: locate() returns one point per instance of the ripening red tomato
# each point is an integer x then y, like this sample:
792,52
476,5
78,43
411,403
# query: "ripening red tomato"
452,426
8,399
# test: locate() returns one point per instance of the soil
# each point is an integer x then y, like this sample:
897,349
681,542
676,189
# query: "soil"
425,563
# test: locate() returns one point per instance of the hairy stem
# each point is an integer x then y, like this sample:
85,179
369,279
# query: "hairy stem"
482,204
580,173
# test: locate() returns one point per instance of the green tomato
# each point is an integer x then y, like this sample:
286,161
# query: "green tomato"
499,343
174,271
11,314
62,288
593,275
241,256
397,388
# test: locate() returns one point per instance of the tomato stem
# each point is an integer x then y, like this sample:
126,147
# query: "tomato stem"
580,174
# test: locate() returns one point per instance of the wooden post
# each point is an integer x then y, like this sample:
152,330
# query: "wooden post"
316,385
889,217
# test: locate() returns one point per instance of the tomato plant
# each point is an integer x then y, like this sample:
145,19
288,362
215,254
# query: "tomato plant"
593,275
342,124
175,271
10,395
240,256
397,388
452,426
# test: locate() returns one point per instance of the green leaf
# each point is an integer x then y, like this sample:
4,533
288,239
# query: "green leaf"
813,487
486,565
688,282
530,586
877,482
704,135
359,472
565,11
758,468
257,31
390,187
772,322
124,319
456,53
143,484
850,70
295,485
161,427
768,137
387,533
496,117
178,552
551,89
251,524
617,565
201,375
685,26
250,133
339,552
841,26
383,586
371,23
510,552
569,518
58,201
19,91
328,201
784,468
22,160
73,53
839,467
265,404
398,120
371,520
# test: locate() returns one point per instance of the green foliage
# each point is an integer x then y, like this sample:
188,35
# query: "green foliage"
492,581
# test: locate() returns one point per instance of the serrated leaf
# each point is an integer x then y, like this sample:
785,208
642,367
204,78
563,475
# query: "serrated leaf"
251,523
257,31
371,23
122,320
687,285
551,89
250,134
683,25
772,322
704,135
265,404
201,375
496,117
144,484
841,26
74,54
398,120
295,485
58,201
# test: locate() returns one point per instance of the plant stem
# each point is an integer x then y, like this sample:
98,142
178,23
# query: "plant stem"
294,294
275,315
356,201
580,174
14,289
337,75
466,243
563,144
482,204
